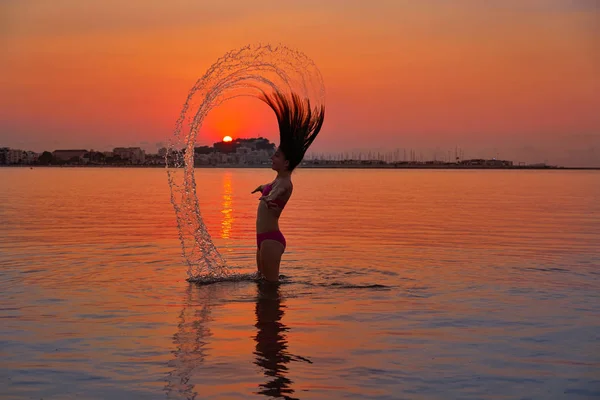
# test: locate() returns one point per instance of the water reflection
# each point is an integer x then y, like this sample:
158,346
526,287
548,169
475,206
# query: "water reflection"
227,207
191,340
271,343
194,343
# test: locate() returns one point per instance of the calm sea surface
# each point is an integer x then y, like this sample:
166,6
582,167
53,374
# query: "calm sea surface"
399,285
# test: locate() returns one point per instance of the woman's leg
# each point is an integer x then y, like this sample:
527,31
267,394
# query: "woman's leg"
270,258
258,266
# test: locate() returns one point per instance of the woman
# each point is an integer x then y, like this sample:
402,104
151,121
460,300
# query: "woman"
298,128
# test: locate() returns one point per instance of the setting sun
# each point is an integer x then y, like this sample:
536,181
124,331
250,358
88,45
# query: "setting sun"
227,139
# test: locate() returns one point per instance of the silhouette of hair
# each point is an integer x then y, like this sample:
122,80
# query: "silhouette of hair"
299,124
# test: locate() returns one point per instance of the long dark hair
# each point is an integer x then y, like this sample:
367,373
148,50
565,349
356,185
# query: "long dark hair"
299,124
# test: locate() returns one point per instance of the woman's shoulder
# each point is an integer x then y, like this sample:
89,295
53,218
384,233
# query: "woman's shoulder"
285,183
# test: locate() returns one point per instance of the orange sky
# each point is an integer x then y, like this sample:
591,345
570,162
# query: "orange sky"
520,80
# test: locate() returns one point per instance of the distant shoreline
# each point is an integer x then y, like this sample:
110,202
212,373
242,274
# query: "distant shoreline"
330,166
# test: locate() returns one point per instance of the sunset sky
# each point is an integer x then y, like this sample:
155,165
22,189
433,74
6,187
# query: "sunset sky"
518,79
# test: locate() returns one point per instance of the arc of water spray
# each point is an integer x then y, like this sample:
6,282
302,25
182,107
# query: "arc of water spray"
249,71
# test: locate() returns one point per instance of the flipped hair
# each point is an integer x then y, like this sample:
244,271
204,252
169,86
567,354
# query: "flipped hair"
299,124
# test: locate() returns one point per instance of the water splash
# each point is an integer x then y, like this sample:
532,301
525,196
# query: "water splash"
249,71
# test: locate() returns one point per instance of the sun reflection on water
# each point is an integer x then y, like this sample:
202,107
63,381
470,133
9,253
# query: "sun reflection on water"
227,207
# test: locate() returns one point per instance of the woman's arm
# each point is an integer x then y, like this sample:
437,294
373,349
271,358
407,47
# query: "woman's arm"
278,190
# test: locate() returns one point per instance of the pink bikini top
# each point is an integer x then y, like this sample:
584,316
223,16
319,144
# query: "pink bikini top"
265,192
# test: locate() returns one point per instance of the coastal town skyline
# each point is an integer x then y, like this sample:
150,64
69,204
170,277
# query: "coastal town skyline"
524,156
253,152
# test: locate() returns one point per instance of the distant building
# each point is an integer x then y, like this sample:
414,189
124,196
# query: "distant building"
17,156
134,155
214,159
202,159
69,155
226,147
239,152
255,157
154,159
235,146
257,144
487,163
4,155
30,157
14,156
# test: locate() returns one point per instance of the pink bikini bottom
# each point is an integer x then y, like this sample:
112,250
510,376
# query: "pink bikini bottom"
275,235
